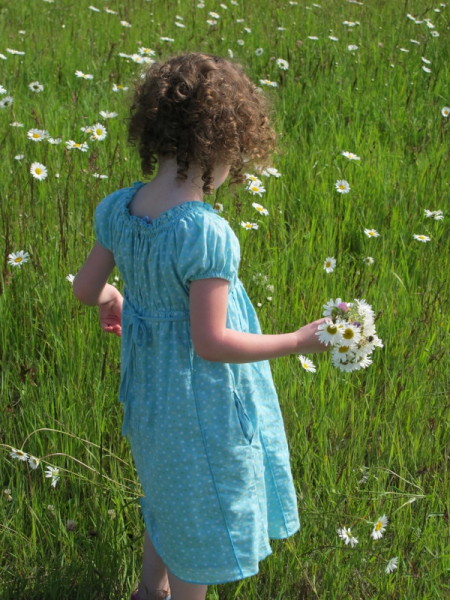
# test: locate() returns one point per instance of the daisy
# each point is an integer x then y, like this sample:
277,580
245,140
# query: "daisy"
99,176
256,188
271,172
379,528
94,8
421,238
125,24
16,124
52,472
282,64
12,51
19,454
445,111
369,260
98,132
437,215
268,83
34,462
119,88
109,11
331,306
71,145
146,51
38,171
346,535
426,69
371,233
333,38
259,51
108,115
313,37
425,60
329,264
392,565
329,332
307,364
218,206
350,334
54,141
84,75
260,209
435,34
37,135
166,39
248,225
19,157
70,277
252,178
214,15
6,101
35,86
350,155
342,186
352,47
2,90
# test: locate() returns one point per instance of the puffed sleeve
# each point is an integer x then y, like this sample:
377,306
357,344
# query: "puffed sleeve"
208,248
103,220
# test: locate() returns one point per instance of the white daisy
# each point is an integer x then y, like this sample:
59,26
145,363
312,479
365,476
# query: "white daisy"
392,565
52,472
282,64
39,171
342,186
307,364
248,225
437,215
345,534
54,141
106,114
16,124
271,172
259,51
35,86
37,135
70,277
98,132
445,111
71,145
369,260
379,527
84,75
352,47
119,88
19,455
260,209
371,233
329,332
350,155
2,90
34,462
6,101
421,238
255,188
426,69
268,83
329,264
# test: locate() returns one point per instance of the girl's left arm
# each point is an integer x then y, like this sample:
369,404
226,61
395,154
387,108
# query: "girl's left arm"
90,287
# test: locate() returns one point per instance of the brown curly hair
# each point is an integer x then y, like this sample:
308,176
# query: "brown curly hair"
200,108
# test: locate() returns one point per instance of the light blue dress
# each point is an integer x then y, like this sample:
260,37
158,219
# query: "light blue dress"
207,438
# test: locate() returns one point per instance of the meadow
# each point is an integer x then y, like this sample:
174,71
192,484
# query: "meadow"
368,79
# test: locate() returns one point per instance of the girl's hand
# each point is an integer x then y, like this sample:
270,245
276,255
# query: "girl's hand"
110,313
307,340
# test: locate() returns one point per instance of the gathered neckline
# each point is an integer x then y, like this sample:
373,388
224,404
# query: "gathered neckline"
163,219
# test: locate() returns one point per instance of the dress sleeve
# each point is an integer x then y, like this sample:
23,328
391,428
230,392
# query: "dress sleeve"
209,249
103,221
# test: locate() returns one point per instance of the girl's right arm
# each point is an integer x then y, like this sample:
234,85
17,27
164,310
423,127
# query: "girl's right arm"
215,342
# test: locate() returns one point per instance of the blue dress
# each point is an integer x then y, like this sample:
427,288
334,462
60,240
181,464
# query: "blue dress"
207,438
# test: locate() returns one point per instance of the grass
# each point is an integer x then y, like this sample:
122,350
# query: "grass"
362,444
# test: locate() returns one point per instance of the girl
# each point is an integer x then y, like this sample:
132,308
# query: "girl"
200,407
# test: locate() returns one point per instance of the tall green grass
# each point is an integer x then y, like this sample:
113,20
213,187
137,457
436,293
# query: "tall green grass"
362,444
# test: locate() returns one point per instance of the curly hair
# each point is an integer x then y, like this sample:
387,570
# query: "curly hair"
200,108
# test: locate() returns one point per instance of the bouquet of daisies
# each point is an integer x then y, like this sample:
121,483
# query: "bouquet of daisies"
350,330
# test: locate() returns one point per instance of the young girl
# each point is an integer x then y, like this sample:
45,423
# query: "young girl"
200,408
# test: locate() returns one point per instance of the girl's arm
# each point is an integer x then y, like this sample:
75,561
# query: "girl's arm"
90,287
213,341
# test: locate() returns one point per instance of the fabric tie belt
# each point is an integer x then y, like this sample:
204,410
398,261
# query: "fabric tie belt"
136,334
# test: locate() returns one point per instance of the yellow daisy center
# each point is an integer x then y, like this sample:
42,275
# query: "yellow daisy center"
343,349
18,259
36,135
348,334
332,329
378,526
38,171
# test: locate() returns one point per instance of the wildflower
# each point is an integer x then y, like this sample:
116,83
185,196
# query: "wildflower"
271,171
12,51
392,565
329,332
333,38
421,238
18,454
342,186
256,188
426,69
350,155
369,260
99,176
166,39
214,15
282,64
2,90
94,8
119,88
329,264
248,225
268,83
71,145
38,171
109,11
379,528
84,75
35,86
351,334
7,493
260,209
332,305
34,462
108,115
307,364
445,111
70,277
218,206
16,124
37,135
435,33
352,47
252,178
346,535
146,51
52,472
125,24
259,51
371,233
437,215
70,524
240,42
313,37
6,101
112,513
98,132
19,157
425,60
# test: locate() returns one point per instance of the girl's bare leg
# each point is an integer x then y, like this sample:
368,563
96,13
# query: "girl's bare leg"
180,590
154,584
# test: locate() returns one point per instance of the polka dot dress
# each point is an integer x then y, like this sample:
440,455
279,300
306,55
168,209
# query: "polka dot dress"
207,438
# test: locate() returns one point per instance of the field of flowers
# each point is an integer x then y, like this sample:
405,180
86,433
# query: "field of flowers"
355,205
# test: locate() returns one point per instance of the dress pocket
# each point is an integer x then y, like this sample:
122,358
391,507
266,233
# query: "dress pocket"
244,419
